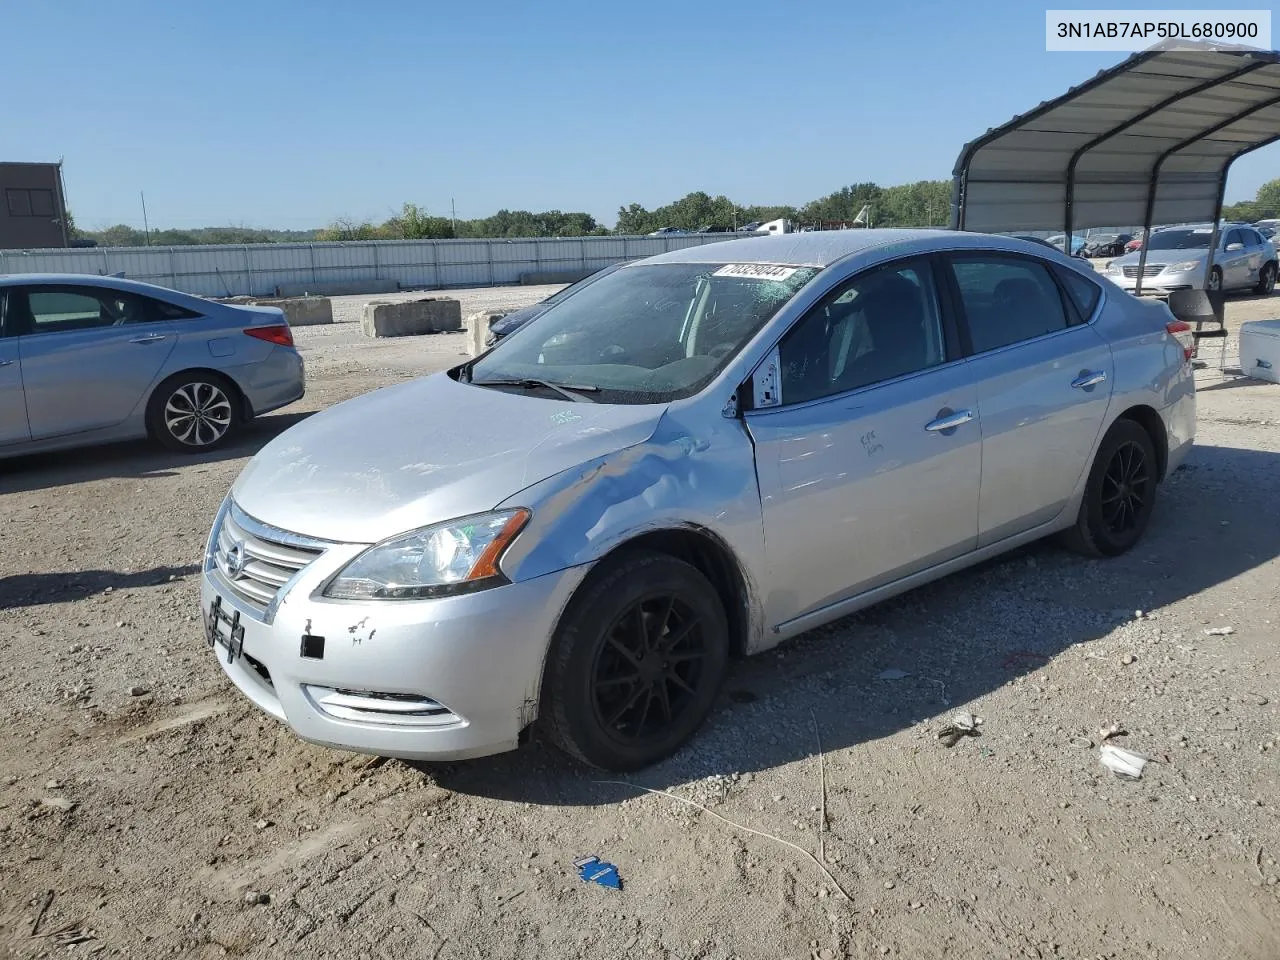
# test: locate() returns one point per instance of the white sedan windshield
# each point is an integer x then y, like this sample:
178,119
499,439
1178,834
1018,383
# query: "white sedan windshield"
650,333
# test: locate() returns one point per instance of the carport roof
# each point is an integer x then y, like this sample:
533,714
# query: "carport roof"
1148,141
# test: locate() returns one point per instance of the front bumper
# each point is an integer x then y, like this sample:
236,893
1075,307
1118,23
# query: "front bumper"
1161,284
478,657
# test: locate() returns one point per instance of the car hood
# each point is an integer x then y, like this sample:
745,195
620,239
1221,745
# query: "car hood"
425,451
1160,258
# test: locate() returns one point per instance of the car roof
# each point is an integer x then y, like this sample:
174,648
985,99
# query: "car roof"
94,280
821,248
83,279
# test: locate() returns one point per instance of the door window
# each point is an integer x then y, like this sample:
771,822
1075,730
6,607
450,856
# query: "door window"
1007,300
880,325
1084,294
1234,236
58,310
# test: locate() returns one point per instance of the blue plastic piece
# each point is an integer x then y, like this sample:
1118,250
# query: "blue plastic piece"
595,870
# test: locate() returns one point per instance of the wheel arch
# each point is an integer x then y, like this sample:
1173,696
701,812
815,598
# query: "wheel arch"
246,408
709,555
1151,421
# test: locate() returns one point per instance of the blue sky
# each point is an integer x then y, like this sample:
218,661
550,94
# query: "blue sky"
289,113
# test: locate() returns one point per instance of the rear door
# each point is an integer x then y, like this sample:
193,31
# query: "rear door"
13,407
88,355
1043,378
1260,250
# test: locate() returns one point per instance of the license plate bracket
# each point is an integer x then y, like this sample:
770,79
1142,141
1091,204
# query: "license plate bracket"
213,620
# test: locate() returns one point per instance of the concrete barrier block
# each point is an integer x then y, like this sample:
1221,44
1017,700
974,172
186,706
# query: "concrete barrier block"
478,330
432,315
302,311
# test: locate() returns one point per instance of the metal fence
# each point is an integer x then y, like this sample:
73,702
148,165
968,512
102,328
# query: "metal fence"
261,269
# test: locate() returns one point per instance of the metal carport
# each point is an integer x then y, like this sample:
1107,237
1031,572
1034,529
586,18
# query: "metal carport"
1149,141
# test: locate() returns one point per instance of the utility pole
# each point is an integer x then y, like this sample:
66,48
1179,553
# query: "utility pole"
453,216
145,226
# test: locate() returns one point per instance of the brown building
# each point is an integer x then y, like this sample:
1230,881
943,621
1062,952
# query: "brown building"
33,211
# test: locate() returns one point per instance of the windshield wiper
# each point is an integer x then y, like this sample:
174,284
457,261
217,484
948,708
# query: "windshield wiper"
568,391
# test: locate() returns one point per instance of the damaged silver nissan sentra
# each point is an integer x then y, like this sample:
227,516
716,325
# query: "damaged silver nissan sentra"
697,456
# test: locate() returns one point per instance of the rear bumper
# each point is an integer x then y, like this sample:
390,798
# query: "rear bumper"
275,381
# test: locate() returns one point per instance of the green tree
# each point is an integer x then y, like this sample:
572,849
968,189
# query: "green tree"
633,220
347,229
413,223
1267,202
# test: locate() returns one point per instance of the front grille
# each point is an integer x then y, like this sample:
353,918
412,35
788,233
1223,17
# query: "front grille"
1150,270
255,560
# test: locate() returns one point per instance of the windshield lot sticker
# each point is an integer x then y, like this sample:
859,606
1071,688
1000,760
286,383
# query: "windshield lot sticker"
754,271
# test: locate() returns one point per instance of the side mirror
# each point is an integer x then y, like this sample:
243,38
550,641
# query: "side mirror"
1233,247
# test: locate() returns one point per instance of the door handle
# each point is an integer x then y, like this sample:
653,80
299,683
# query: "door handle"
948,420
1089,378
148,338
6,363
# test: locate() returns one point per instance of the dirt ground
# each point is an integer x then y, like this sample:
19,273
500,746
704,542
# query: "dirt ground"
148,810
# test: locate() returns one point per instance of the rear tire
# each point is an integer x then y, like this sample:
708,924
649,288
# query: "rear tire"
636,663
194,411
1266,280
1119,494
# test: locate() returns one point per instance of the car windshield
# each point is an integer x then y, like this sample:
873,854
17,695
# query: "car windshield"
649,333
1197,239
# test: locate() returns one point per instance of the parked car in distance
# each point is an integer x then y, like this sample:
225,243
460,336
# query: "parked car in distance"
666,231
697,456
1106,245
1077,243
89,359
516,319
1177,257
1045,243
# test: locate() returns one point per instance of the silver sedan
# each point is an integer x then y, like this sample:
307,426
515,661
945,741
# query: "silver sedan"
86,359
697,456
1177,258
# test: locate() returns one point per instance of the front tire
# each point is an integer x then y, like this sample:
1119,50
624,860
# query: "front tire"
1266,280
193,412
1119,494
636,663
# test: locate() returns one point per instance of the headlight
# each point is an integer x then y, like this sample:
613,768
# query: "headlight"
1184,267
446,558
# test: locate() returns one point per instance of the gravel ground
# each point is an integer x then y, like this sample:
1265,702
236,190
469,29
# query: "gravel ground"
147,810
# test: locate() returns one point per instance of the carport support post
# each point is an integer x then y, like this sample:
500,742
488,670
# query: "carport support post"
1217,218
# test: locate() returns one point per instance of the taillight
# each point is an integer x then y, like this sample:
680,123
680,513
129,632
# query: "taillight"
1181,331
281,334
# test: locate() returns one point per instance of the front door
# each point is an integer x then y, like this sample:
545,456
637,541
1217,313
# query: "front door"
13,408
1044,382
1235,257
869,450
88,356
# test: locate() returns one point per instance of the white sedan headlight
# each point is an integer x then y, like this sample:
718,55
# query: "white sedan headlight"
1185,266
458,556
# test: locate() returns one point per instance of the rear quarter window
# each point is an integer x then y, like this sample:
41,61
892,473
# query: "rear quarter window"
1084,294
